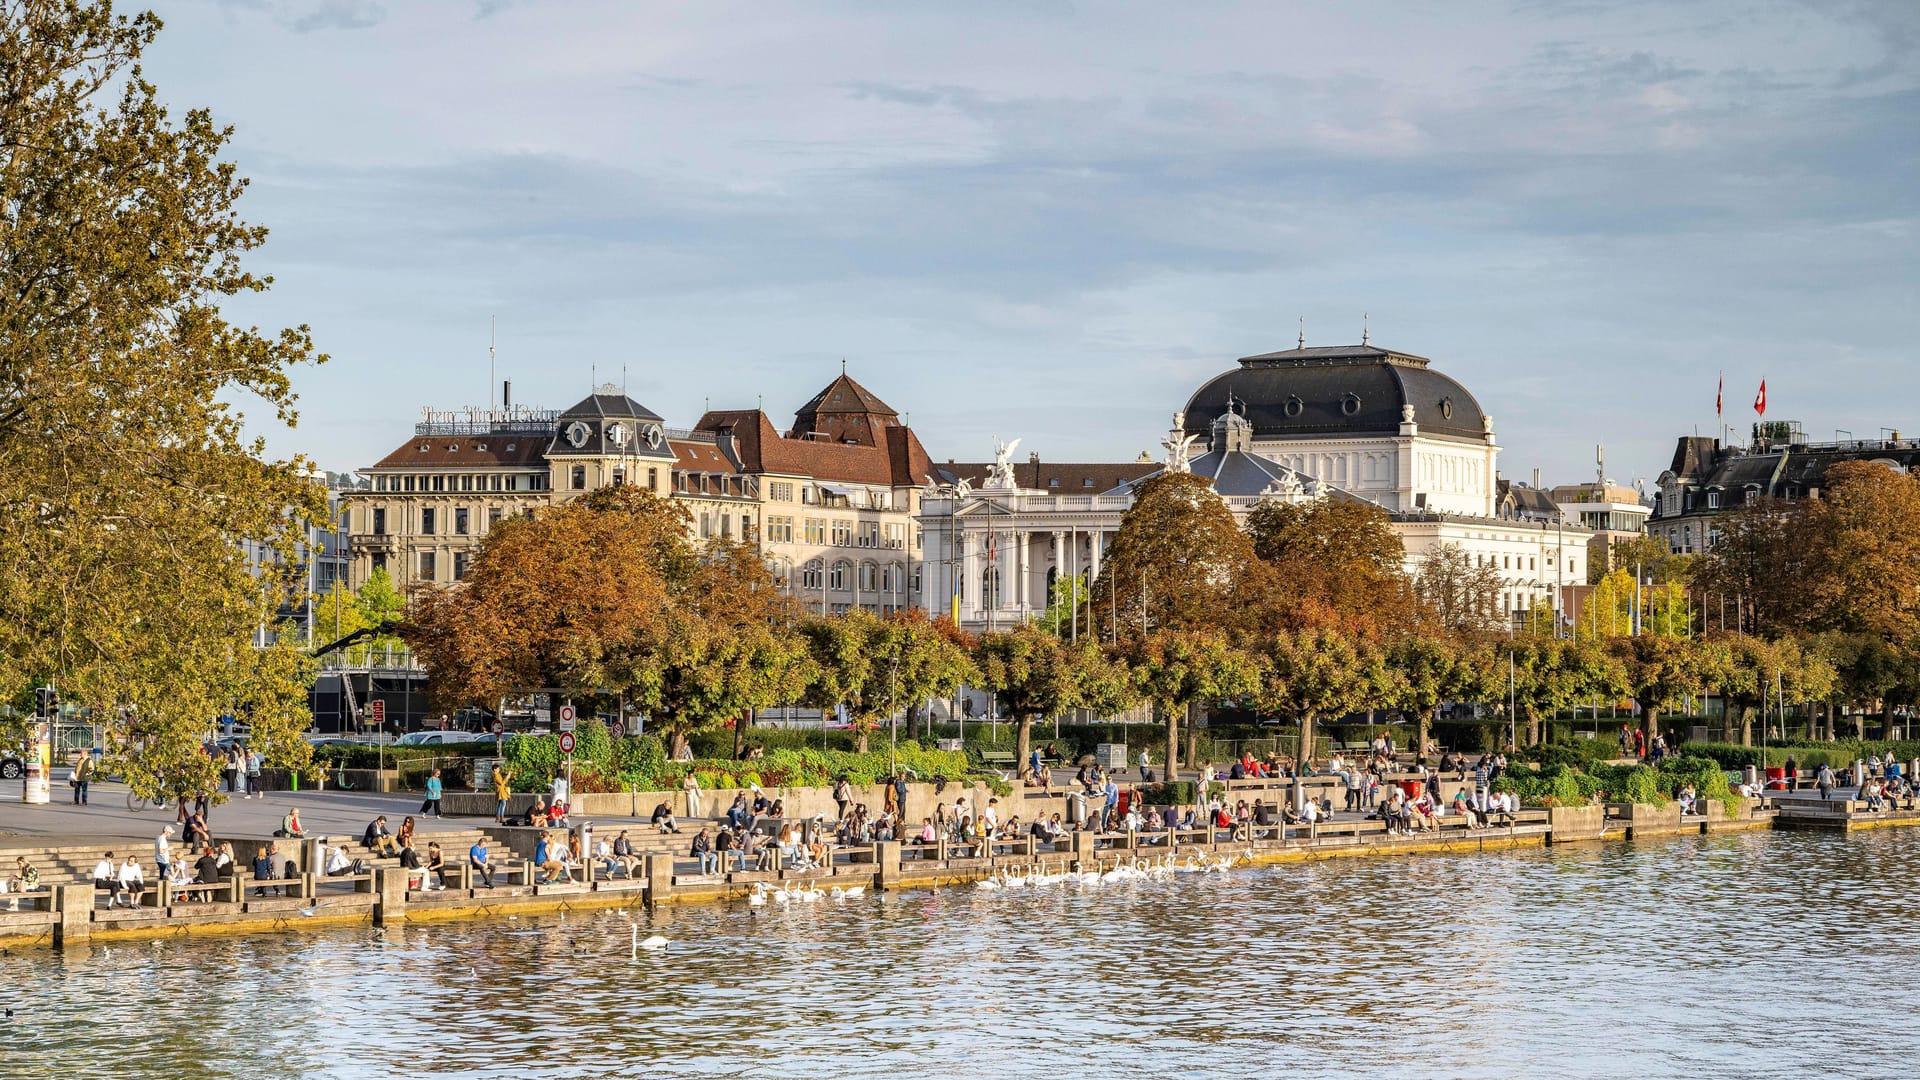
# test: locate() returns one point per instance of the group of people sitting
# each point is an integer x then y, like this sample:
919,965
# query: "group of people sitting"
1889,793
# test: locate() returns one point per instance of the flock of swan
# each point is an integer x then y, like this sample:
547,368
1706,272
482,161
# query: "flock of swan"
1127,870
800,894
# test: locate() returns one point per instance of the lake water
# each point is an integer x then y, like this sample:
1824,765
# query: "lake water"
1761,954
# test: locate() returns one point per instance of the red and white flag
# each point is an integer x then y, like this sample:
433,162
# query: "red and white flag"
1720,397
1760,402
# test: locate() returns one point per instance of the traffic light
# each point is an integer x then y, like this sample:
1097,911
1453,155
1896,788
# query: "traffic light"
49,701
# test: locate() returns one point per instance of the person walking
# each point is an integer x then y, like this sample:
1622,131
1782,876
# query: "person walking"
842,797
252,771
431,807
1146,770
230,767
82,776
1825,782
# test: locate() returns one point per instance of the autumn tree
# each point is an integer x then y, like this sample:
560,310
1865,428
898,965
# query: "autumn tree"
1616,608
1336,562
575,600
1433,670
1658,671
129,493
1179,561
1461,594
1314,676
1871,566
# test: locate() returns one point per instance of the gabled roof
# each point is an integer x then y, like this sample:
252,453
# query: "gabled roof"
842,395
898,459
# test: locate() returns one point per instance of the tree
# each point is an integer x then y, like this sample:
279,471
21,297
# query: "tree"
1179,561
1336,562
1173,669
1433,670
1654,558
1462,596
577,600
270,696
1766,561
876,665
1547,676
1871,579
1610,609
129,493
1065,600
1032,673
1658,671
1315,676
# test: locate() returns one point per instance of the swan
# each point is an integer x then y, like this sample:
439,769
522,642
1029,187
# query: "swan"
654,943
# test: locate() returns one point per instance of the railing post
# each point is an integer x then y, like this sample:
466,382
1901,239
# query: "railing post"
73,913
887,855
659,879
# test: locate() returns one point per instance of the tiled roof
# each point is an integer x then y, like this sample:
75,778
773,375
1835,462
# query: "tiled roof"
468,452
604,405
701,457
842,395
750,436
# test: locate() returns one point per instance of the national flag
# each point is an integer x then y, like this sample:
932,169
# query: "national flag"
1760,403
1720,397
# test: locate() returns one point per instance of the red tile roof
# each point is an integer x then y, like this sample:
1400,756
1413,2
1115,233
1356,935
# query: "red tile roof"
468,452
900,462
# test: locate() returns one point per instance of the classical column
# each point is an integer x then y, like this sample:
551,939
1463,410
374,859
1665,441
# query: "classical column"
1023,553
1098,542
969,555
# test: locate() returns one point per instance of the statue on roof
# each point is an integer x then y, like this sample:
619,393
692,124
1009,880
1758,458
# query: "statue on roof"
1286,487
1179,452
1000,477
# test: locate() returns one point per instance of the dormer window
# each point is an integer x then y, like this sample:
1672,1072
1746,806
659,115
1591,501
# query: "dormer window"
1054,483
1086,482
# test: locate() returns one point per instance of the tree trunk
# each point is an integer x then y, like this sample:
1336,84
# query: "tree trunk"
1024,744
1650,720
1533,727
1193,742
915,715
740,727
1173,739
1424,731
860,740
1746,725
1306,741
1729,718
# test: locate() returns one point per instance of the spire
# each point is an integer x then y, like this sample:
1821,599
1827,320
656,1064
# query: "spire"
1303,331
1363,328
843,365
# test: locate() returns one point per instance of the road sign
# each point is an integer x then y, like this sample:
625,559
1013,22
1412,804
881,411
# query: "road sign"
378,710
619,730
566,742
566,718
499,726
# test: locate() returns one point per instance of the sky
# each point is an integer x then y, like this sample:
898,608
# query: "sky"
1054,221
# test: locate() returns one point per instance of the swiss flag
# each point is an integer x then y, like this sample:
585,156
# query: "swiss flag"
1760,402
1720,397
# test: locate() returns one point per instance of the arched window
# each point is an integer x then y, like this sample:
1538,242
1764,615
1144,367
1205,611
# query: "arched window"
837,580
990,587
810,576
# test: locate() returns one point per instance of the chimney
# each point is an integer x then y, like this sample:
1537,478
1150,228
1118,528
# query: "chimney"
506,394
1536,476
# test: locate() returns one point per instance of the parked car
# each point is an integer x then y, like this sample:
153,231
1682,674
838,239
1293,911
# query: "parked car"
436,738
11,767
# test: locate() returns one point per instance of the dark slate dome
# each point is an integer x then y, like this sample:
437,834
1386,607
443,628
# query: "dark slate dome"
1340,390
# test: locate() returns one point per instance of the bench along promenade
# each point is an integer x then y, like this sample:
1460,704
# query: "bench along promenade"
68,907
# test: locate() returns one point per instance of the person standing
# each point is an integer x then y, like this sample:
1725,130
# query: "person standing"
431,807
1824,782
82,776
230,766
502,790
900,793
1792,775
163,852
1146,768
692,787
842,797
253,773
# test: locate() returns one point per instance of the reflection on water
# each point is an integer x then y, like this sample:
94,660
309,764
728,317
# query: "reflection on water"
1665,958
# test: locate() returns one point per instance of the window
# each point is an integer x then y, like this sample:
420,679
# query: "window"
653,479
816,530
990,587
1054,483
869,577
493,482
1086,482
619,476
426,521
427,566
379,560
810,576
895,533
493,517
460,527
842,533
379,521
466,483
409,483
706,525
780,529
780,491
379,483
460,565
579,478
869,534
726,526
439,483
1713,500
837,580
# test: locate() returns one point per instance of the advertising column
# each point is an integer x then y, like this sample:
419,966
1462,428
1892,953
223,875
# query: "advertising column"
39,788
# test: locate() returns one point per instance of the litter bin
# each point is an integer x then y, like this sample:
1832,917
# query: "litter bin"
1776,779
1411,788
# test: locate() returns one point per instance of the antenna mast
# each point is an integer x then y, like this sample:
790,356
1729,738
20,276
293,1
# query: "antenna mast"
490,358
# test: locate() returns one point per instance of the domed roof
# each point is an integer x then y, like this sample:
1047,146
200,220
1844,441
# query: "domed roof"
1340,390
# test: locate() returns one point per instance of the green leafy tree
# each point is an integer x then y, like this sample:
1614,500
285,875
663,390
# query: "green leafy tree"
1433,671
1311,677
1174,669
130,496
876,665
1659,671
1032,673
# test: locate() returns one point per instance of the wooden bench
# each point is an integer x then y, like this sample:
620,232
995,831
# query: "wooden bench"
999,759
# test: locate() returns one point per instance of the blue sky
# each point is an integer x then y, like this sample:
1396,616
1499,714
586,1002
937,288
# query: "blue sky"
1055,220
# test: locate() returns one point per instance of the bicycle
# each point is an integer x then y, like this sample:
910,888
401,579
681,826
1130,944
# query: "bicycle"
140,803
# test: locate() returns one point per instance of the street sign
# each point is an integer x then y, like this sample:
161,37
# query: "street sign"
378,710
499,726
617,729
566,718
566,742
